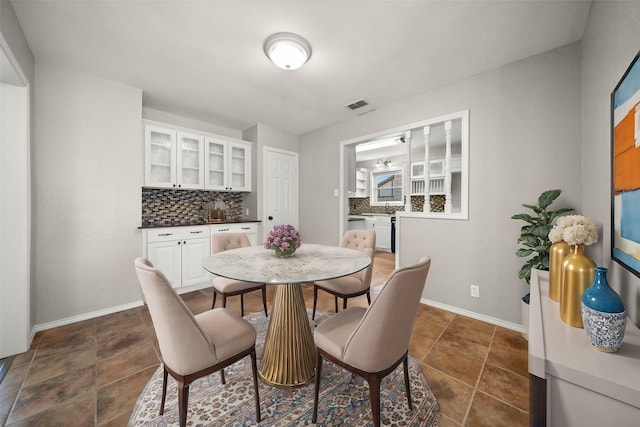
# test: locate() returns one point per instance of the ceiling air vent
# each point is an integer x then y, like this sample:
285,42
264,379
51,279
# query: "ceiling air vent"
357,104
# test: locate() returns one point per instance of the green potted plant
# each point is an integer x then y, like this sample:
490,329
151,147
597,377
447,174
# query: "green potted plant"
534,243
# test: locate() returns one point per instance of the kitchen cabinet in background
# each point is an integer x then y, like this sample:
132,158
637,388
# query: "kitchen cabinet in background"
356,224
178,253
382,226
172,158
227,165
182,158
362,183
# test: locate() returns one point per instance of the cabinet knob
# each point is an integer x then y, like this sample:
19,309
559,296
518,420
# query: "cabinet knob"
270,218
174,186
179,242
179,185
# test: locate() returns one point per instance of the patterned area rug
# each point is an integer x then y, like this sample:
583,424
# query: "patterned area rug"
344,398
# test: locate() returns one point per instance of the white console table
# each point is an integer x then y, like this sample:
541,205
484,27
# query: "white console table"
572,383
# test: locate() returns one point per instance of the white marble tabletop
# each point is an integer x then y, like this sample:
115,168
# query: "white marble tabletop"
310,263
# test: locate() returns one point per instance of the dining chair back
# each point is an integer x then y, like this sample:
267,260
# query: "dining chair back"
355,284
372,342
193,346
230,287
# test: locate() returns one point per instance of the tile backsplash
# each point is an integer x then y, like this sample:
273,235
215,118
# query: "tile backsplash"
170,206
360,205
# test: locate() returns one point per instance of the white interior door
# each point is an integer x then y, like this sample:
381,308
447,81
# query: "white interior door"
15,207
281,188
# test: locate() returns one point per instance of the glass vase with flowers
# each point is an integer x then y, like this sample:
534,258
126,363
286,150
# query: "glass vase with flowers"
284,239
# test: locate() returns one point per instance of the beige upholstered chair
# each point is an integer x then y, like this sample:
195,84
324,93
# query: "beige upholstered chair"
372,342
356,284
193,346
229,287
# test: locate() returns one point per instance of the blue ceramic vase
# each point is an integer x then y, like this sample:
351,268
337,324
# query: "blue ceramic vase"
603,314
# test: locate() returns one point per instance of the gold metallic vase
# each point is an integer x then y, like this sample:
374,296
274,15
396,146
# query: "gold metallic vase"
578,272
558,251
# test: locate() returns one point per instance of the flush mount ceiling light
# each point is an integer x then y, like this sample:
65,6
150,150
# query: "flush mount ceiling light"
287,50
380,143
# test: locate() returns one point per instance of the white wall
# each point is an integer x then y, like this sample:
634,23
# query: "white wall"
610,43
87,163
13,35
524,139
176,120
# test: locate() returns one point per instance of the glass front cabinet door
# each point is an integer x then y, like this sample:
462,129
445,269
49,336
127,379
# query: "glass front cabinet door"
190,161
239,166
227,165
173,159
159,157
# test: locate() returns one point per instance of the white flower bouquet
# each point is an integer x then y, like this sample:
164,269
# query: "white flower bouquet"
574,230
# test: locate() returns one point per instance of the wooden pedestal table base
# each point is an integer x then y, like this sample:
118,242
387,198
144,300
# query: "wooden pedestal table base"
289,356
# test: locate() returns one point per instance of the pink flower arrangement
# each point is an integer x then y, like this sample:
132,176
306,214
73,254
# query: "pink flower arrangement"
284,238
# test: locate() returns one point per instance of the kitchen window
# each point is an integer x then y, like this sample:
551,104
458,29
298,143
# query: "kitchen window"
387,187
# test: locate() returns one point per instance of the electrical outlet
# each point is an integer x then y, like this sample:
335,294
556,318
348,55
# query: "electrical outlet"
336,192
247,211
475,291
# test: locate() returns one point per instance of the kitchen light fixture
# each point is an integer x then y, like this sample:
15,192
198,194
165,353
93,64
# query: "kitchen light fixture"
287,50
373,145
384,164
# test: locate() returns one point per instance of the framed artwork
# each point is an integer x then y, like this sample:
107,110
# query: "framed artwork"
625,169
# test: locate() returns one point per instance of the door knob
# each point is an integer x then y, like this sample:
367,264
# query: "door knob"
270,218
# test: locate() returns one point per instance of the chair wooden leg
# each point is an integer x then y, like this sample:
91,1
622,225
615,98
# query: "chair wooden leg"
335,298
344,303
264,299
254,369
165,376
224,301
222,380
183,402
316,394
242,305
369,297
374,398
315,301
215,294
407,387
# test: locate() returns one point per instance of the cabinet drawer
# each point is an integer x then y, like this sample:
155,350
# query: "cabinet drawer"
234,228
249,228
176,233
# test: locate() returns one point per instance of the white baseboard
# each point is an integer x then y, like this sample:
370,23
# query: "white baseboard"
84,316
105,311
139,303
498,322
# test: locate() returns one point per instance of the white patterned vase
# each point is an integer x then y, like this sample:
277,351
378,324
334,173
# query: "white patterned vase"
603,314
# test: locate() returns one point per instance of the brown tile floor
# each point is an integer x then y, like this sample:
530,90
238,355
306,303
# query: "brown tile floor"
90,373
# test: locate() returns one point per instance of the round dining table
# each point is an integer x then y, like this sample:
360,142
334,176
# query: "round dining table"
289,355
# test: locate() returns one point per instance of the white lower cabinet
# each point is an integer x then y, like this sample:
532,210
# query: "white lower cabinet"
193,251
178,253
383,236
382,226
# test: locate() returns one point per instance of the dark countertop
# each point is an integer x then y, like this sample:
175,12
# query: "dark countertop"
190,224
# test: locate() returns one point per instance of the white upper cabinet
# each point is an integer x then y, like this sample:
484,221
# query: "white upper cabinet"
190,170
172,159
227,165
159,157
179,158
